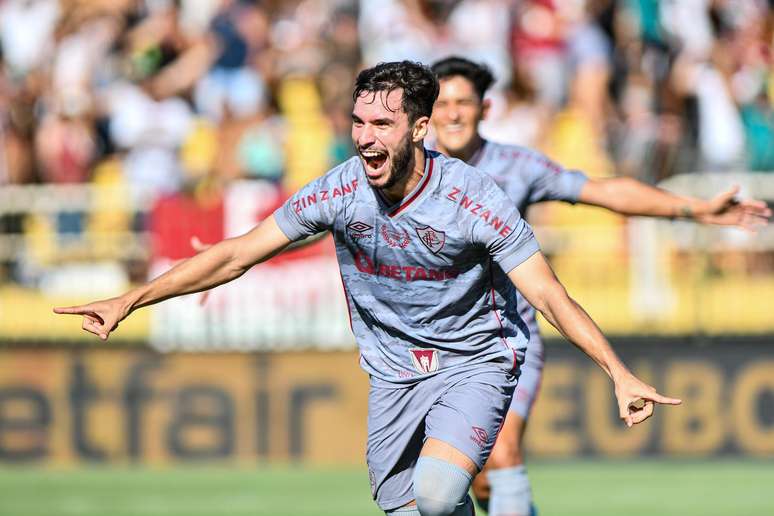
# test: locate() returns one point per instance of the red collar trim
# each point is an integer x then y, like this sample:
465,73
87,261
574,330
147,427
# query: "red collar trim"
417,192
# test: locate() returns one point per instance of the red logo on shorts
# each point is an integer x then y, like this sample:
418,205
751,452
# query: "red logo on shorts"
395,238
480,436
425,360
432,238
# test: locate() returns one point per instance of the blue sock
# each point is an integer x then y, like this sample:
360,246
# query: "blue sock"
510,492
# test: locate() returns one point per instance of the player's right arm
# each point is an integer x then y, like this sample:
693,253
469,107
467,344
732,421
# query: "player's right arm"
221,263
540,286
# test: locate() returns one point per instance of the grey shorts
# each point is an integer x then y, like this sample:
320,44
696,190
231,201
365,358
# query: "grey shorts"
464,408
531,375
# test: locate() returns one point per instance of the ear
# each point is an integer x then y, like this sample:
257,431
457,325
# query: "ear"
485,105
419,131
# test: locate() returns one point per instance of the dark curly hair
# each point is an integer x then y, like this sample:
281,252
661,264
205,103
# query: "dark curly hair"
418,82
478,74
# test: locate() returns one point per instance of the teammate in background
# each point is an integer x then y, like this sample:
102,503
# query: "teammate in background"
417,237
528,177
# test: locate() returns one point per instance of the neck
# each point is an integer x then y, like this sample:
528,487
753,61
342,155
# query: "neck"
404,187
465,153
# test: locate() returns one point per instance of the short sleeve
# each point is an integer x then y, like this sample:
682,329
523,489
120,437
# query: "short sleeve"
552,182
308,212
500,228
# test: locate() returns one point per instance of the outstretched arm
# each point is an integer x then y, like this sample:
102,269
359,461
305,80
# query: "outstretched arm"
537,282
628,196
199,247
223,262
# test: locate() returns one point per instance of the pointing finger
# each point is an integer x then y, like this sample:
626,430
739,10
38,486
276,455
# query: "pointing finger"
76,310
658,398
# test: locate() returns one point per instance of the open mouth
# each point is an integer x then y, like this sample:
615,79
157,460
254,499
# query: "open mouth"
374,160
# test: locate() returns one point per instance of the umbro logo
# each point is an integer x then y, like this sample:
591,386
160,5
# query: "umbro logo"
479,436
360,229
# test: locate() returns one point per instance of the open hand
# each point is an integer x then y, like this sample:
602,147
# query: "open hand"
99,317
726,210
636,399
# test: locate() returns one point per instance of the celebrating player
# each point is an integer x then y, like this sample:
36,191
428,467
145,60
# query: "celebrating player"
431,252
529,177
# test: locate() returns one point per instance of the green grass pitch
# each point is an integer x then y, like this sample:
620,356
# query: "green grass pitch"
577,488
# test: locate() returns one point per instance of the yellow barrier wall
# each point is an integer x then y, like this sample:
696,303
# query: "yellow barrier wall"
62,407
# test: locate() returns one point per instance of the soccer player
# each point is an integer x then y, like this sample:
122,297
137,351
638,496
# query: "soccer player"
431,252
529,177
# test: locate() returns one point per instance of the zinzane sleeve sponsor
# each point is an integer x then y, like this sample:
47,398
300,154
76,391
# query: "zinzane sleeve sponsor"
501,229
550,181
312,209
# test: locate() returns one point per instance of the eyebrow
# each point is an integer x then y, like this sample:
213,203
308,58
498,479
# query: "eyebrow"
378,121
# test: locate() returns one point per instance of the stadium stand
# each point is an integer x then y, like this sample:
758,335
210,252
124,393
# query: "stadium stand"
128,127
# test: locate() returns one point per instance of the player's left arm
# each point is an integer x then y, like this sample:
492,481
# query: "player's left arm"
512,245
628,196
537,282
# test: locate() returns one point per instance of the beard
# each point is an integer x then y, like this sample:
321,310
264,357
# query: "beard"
400,167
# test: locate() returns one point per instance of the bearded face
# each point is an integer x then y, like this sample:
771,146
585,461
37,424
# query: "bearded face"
381,133
400,165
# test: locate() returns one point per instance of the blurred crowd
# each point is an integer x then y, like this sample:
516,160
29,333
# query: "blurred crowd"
183,97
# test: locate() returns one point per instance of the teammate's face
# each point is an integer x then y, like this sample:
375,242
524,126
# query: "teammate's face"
383,137
456,114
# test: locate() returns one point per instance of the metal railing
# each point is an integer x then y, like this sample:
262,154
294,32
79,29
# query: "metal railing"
640,276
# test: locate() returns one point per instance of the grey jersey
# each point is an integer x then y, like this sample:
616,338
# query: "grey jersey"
528,177
424,279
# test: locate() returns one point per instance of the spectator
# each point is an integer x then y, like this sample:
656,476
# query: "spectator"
176,94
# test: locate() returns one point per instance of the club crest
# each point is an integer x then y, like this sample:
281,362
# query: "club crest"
432,238
425,360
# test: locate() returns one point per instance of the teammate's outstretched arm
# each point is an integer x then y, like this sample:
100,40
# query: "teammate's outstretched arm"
628,196
223,262
537,282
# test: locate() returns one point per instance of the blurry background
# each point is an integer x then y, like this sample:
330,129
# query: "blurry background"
129,126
